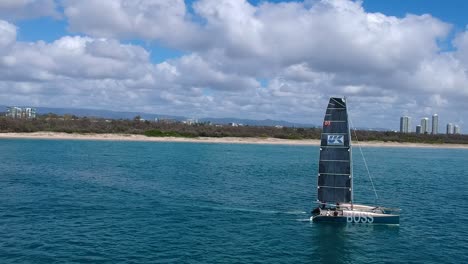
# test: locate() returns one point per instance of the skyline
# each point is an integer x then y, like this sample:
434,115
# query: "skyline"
422,127
240,59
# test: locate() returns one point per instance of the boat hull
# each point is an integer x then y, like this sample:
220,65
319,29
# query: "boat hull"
357,216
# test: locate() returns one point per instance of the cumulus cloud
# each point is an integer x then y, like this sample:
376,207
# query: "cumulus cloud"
196,72
74,57
330,36
461,44
24,9
161,20
7,35
76,71
271,60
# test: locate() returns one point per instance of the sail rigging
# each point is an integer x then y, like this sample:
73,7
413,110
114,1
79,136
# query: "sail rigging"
335,168
335,174
364,159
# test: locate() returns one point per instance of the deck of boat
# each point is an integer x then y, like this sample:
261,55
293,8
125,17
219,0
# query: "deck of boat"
344,213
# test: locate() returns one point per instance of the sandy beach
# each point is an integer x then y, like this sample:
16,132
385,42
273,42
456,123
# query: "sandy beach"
233,140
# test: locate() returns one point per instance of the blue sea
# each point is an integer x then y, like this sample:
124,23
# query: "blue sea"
147,202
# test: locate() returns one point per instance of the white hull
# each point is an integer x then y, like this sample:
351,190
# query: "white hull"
345,213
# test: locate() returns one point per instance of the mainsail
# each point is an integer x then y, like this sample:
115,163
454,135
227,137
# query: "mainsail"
335,168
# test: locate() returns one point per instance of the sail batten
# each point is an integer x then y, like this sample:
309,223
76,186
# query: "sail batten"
324,173
335,168
331,187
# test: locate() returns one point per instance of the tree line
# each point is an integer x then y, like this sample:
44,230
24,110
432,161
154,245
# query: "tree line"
84,125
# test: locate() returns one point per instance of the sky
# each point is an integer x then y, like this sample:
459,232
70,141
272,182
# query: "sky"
251,59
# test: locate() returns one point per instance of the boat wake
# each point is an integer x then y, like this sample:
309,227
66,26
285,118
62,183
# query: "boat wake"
296,212
250,210
303,220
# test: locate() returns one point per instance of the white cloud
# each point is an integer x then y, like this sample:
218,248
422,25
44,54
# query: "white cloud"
160,20
461,43
24,9
304,52
75,57
239,31
7,36
77,71
196,72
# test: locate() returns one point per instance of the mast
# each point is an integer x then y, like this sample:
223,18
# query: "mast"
350,156
334,181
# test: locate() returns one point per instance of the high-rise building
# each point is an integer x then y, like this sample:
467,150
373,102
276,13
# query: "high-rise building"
425,125
405,124
14,112
435,124
21,112
449,128
456,129
418,129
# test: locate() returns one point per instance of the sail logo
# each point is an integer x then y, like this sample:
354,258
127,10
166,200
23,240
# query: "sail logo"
335,140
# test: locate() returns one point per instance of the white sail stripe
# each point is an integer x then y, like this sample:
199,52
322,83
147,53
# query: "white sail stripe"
331,187
340,174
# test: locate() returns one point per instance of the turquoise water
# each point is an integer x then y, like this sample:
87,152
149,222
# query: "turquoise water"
142,202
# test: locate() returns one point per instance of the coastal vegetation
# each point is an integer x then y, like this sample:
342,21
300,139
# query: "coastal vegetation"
172,128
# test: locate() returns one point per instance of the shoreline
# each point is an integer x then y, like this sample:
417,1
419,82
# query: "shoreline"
228,140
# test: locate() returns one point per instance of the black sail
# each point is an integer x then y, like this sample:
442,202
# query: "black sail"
335,169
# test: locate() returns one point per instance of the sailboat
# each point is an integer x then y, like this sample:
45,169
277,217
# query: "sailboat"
335,175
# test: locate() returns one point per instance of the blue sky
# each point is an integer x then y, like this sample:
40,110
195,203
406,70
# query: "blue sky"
45,28
239,58
453,11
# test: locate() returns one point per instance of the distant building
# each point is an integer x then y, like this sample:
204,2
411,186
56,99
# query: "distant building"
405,124
166,121
21,112
449,128
191,121
456,129
425,125
435,124
418,129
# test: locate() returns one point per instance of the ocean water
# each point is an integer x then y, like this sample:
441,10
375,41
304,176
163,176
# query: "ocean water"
144,202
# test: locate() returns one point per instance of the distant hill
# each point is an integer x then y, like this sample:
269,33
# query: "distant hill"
103,113
81,112
250,122
381,129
